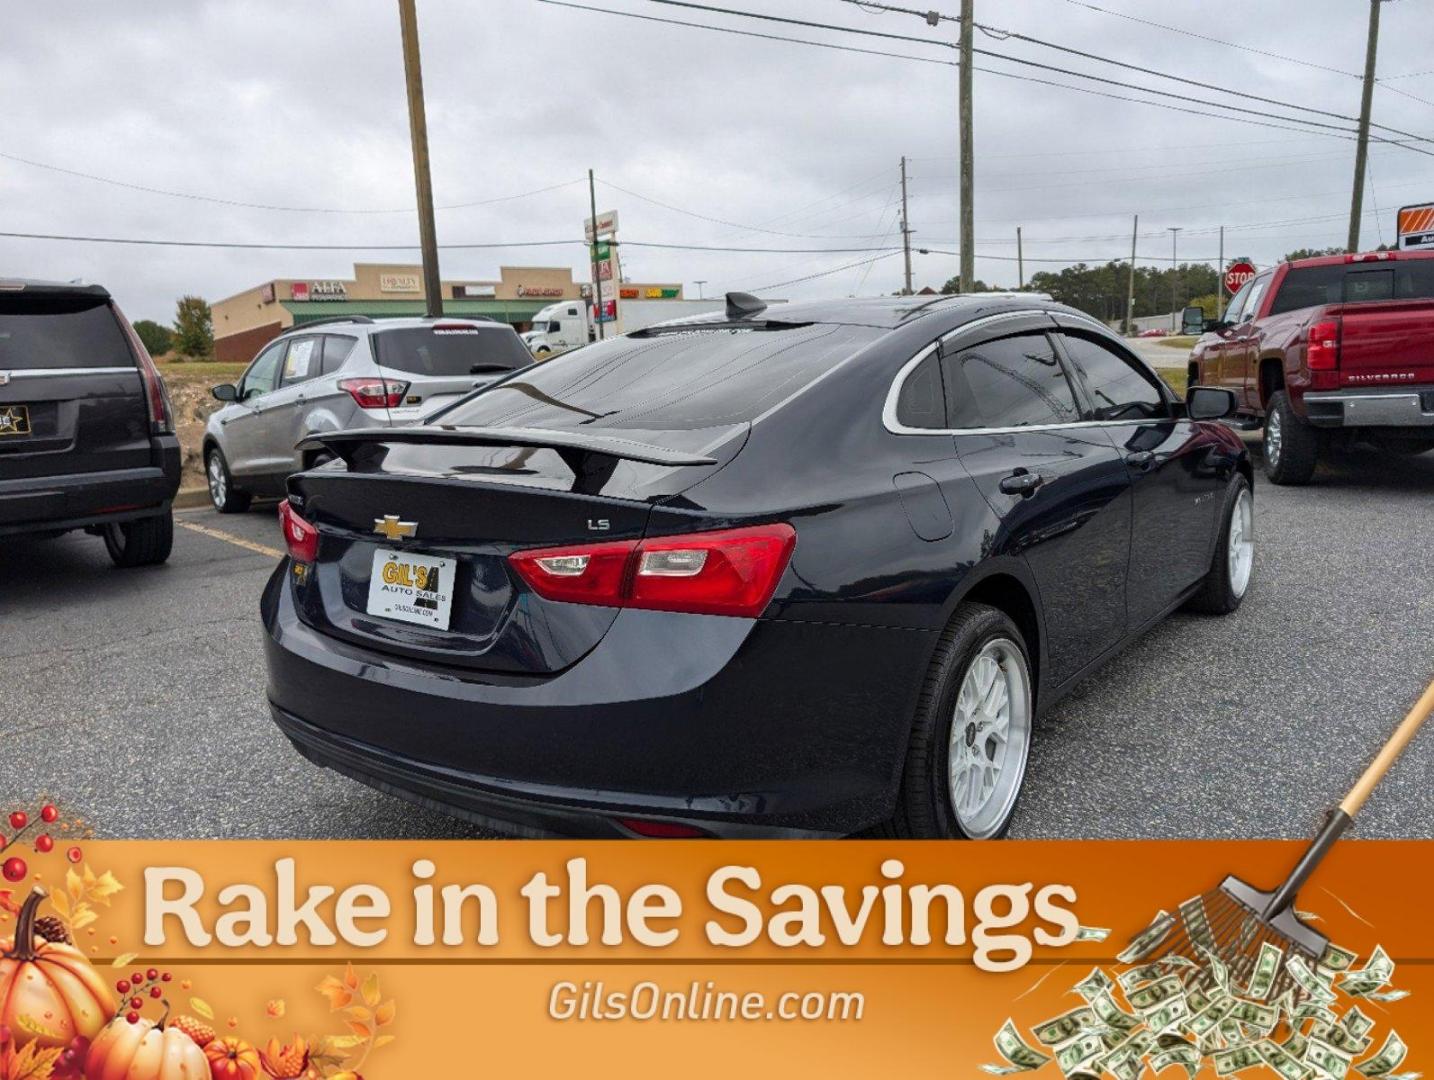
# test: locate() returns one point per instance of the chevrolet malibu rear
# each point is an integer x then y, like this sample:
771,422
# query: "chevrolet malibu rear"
693,582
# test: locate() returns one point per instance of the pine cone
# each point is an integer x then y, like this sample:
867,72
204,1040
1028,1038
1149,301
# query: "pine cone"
52,929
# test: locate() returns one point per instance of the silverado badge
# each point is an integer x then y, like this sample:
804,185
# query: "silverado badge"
391,527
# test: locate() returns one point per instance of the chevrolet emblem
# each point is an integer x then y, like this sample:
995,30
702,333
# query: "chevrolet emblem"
391,527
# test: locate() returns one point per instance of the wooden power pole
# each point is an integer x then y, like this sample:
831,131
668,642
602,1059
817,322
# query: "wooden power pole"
968,161
905,228
1130,287
1361,150
422,180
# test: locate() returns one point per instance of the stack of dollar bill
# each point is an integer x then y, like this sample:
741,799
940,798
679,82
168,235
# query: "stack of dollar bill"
1193,1011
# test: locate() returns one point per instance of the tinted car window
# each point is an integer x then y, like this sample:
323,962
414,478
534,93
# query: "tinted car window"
1010,382
1312,286
301,361
1119,390
673,380
60,332
263,373
922,400
336,351
450,350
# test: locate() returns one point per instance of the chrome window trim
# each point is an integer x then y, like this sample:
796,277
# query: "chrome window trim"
893,393
41,373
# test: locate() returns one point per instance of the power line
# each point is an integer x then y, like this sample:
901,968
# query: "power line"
1213,40
270,206
721,221
826,273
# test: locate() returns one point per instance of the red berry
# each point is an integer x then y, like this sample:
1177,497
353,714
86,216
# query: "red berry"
166,977
137,978
122,986
152,974
155,992
19,819
14,869
74,854
132,1017
44,843
48,813
136,1003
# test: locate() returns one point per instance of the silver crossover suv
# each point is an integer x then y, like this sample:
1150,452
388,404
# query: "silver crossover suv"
346,372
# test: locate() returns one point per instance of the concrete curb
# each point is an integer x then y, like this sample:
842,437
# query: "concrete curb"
191,497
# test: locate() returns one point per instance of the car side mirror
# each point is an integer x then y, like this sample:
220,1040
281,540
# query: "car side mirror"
1214,326
225,392
1209,403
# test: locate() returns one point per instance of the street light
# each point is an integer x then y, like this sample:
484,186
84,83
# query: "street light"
1174,274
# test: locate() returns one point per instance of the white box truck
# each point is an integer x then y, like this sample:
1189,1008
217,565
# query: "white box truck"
568,323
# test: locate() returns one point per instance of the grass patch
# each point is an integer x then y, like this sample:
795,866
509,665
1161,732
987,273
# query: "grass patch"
207,372
1175,378
1177,341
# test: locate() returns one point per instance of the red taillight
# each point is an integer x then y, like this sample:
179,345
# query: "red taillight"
371,392
1322,352
661,830
301,538
156,397
728,572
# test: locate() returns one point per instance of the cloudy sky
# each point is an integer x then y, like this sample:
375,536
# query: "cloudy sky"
749,143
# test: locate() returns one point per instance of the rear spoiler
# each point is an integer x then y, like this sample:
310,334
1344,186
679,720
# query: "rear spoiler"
574,447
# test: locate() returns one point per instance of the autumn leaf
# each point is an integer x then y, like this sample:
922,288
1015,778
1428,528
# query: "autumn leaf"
32,1062
7,902
384,1014
123,960
61,903
371,994
351,979
74,885
102,888
276,1008
363,1031
202,1007
84,915
359,1013
341,1042
337,993
383,1040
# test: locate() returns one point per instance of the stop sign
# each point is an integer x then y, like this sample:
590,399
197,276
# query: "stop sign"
1236,275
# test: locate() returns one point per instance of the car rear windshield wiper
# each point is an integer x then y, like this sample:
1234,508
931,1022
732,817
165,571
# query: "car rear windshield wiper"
485,366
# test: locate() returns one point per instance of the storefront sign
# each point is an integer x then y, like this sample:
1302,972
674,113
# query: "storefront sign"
298,290
628,294
399,283
474,292
328,290
266,294
606,225
540,290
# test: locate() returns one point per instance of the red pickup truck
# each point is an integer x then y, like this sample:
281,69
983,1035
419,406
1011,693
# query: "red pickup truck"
1328,351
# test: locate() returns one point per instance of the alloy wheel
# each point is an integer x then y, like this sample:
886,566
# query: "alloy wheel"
1274,438
218,486
1242,542
990,738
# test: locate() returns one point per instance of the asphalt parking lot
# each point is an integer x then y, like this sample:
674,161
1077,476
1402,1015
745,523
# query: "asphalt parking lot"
137,697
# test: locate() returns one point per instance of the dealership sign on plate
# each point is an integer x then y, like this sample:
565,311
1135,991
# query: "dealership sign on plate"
1416,226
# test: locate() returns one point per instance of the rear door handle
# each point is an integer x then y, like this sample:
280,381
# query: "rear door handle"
1021,483
1141,459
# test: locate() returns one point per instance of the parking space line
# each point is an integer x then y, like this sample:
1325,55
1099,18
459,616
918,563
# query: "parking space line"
237,541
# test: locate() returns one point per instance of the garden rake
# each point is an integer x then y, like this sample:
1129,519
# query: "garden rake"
1231,923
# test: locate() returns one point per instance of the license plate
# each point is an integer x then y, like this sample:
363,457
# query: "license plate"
14,420
412,588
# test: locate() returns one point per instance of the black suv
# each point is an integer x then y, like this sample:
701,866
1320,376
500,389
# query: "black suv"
86,428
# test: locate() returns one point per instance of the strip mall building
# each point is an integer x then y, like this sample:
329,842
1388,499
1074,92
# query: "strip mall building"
245,322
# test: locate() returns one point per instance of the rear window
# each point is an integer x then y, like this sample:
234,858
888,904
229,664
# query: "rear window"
60,332
1355,283
674,380
452,350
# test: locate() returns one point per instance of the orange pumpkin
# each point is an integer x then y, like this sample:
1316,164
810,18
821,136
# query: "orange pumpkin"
144,1051
49,993
232,1059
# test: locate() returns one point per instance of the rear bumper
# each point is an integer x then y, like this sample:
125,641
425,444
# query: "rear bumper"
1377,406
736,727
31,504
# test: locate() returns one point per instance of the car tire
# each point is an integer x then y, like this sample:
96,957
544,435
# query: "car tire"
1232,565
929,803
145,542
226,498
1291,446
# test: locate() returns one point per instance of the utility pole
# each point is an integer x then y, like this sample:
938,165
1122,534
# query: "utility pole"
1020,261
418,131
1174,275
1361,150
1220,283
968,166
597,285
1130,288
905,228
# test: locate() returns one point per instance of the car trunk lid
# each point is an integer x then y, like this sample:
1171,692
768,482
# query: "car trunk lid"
459,501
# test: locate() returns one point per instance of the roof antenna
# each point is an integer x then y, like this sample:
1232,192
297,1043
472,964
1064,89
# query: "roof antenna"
742,305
